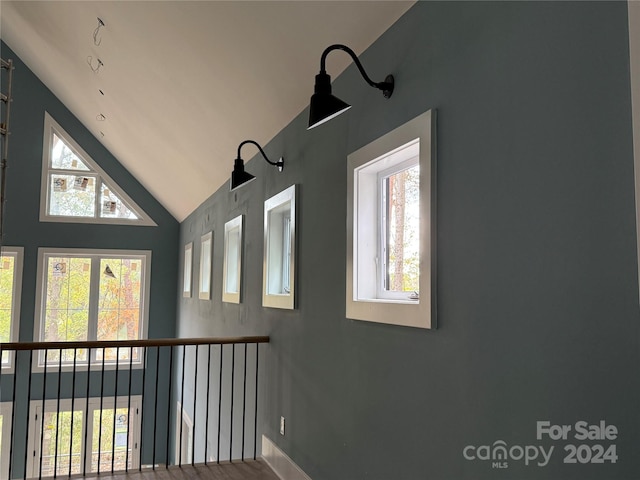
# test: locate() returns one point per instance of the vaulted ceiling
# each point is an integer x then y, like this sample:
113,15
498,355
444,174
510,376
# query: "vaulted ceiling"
184,82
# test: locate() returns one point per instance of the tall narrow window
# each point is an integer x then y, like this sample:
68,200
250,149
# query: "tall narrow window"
187,271
10,288
206,244
286,254
279,250
399,232
92,295
390,227
232,268
76,189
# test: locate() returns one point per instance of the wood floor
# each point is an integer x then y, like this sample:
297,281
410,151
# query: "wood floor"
248,470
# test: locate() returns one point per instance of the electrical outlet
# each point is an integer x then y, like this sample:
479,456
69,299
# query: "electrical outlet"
282,426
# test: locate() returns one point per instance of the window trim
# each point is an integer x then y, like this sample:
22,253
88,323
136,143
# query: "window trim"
14,333
50,127
411,313
145,296
280,300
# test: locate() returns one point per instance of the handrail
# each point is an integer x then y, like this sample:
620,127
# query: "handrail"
160,342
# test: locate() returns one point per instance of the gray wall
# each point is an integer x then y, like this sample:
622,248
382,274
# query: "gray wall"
537,286
23,228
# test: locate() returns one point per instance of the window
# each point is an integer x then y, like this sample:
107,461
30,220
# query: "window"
76,189
60,434
186,271
279,249
5,438
206,243
390,227
232,268
399,226
10,288
92,295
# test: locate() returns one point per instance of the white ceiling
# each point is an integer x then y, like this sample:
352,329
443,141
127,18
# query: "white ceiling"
185,82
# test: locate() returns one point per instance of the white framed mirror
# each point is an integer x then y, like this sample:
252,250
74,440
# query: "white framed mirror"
232,269
278,278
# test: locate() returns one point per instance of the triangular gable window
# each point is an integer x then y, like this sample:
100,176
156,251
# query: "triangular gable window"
76,189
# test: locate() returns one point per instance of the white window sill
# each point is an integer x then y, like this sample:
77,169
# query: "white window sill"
82,367
7,369
388,300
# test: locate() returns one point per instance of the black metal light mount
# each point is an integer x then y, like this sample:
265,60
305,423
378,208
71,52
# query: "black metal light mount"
239,177
323,105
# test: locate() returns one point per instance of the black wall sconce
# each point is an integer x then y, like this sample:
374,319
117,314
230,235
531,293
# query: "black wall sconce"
239,177
323,105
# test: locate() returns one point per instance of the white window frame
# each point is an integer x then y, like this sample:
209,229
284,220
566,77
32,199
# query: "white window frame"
362,293
411,152
187,270
279,236
206,259
101,177
95,255
232,296
6,409
80,404
18,254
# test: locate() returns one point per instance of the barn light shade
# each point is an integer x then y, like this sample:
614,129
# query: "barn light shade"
239,177
323,105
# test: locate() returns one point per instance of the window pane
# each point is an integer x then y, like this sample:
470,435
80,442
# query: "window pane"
188,259
205,266
111,445
119,303
402,247
7,272
279,250
233,251
112,207
286,254
67,302
62,443
62,157
72,196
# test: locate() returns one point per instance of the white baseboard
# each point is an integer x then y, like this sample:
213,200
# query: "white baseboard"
280,463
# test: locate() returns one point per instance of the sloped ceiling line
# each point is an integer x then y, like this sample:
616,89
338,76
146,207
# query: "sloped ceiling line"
182,79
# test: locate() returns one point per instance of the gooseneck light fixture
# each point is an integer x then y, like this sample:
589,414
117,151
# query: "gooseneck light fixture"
323,105
239,177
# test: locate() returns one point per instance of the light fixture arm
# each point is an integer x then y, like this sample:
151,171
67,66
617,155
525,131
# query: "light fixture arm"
279,163
386,86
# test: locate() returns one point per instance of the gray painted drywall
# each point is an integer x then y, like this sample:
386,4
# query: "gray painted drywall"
31,99
537,270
